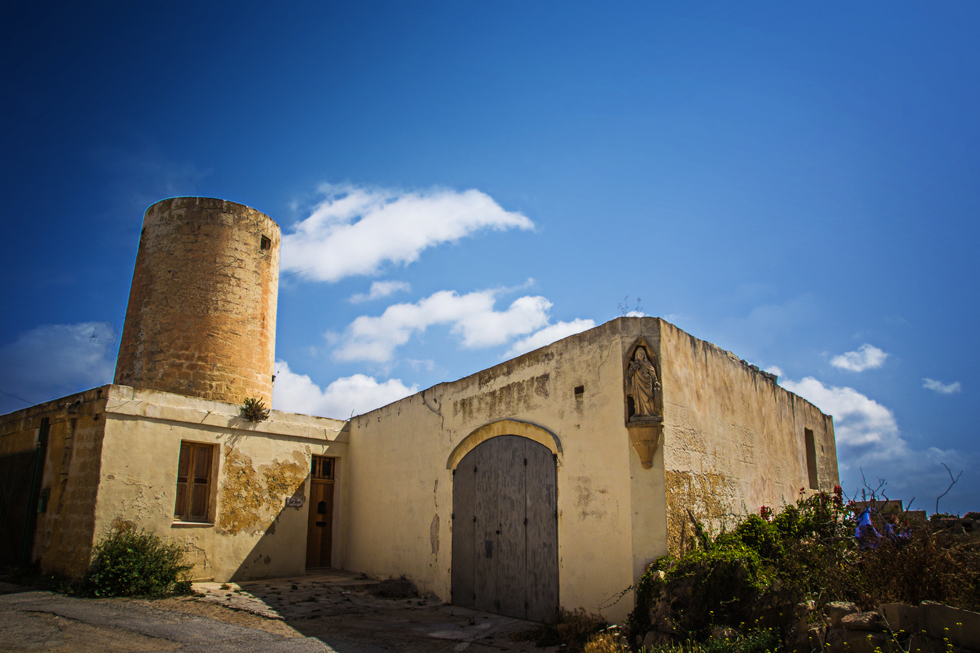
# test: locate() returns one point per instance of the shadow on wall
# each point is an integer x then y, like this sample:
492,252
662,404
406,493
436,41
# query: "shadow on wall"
289,504
16,471
270,501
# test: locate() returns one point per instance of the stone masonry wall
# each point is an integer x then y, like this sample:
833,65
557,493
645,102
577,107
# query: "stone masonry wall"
734,440
64,530
201,319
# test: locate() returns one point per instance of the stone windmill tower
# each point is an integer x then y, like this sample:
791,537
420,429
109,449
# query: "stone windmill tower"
201,319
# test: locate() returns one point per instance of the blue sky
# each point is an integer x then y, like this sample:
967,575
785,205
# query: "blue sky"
459,181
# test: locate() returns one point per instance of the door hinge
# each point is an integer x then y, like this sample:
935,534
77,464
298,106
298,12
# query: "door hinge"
525,462
474,519
525,521
474,469
452,516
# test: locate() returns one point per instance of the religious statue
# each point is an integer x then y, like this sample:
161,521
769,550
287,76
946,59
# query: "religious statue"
642,385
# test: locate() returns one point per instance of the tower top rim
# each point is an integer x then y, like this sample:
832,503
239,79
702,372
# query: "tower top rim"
198,198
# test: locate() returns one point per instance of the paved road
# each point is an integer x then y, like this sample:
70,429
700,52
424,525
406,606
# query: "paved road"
41,621
309,615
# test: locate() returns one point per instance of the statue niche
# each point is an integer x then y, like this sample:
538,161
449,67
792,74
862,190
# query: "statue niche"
642,389
644,402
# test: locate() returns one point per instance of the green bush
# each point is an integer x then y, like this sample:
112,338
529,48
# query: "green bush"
723,585
752,576
762,574
755,534
128,562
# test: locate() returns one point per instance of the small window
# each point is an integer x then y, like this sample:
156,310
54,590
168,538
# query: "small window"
323,468
265,243
811,459
579,391
194,482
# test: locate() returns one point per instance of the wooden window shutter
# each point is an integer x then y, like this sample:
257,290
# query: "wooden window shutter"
193,482
182,470
200,489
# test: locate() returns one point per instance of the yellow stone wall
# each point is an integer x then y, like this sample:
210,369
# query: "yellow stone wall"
201,318
733,438
732,441
252,533
63,532
611,522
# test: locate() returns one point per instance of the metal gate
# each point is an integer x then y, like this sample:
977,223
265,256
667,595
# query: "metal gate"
505,529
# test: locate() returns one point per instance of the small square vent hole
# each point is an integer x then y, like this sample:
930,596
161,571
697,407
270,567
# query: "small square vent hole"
579,391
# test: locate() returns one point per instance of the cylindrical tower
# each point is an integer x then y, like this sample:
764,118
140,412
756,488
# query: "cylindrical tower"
201,319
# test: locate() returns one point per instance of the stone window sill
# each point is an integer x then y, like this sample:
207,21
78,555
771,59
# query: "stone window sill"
192,524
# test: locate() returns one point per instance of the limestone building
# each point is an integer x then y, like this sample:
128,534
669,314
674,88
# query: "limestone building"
549,480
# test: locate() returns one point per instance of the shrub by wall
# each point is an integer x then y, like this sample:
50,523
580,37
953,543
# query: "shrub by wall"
128,562
775,571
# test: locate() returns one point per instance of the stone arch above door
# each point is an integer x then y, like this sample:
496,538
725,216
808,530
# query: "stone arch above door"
504,427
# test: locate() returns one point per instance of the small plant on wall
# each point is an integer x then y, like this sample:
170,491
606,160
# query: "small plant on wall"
254,410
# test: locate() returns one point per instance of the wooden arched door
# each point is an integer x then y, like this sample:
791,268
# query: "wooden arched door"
505,529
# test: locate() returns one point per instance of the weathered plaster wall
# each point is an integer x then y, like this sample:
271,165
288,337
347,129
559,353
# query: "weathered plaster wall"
258,466
201,318
63,532
649,530
401,490
733,438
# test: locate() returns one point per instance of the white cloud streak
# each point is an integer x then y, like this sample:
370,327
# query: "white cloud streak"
356,230
472,317
868,439
357,394
380,289
941,388
54,360
867,357
548,335
858,420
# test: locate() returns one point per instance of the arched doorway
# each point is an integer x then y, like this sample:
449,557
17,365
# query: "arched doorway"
505,529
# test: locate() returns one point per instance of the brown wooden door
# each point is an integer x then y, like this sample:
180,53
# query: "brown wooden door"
319,536
505,529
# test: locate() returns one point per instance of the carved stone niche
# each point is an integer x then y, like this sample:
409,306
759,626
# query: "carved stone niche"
643,403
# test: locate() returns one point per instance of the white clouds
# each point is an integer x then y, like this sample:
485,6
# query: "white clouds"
54,360
941,388
772,369
548,335
867,357
472,317
356,230
356,394
868,439
380,289
858,420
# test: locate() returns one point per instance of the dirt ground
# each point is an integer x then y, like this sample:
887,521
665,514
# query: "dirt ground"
333,612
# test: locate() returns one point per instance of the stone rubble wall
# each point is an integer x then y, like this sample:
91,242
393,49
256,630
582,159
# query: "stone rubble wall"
926,628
